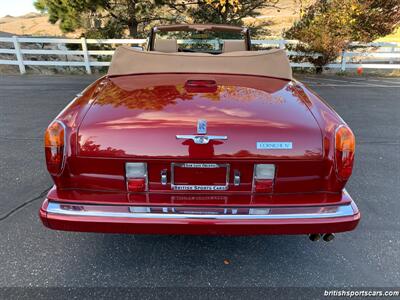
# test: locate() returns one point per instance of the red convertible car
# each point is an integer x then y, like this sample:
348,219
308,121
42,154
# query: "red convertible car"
199,135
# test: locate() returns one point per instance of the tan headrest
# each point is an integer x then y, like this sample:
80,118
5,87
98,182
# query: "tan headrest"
231,46
164,45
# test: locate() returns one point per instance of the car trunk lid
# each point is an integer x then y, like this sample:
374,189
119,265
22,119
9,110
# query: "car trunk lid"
140,117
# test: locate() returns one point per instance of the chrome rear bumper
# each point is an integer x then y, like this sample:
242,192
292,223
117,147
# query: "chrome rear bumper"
207,213
63,213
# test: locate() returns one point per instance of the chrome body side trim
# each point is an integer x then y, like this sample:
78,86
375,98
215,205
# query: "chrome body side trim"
214,213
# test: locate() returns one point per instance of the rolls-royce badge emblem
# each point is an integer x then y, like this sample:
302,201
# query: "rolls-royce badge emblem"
201,126
201,138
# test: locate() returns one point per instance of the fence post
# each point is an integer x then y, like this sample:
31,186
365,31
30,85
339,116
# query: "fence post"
86,55
392,50
18,54
343,62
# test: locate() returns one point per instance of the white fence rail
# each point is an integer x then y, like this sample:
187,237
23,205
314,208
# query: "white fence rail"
371,56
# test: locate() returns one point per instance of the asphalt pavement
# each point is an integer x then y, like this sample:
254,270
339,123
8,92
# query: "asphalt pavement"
31,255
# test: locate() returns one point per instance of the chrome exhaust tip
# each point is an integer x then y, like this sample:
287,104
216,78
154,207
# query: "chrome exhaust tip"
328,237
314,237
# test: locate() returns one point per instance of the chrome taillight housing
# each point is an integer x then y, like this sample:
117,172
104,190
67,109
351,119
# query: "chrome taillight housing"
344,152
263,178
54,147
136,177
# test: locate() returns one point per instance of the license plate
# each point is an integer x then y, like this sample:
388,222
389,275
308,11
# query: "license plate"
199,176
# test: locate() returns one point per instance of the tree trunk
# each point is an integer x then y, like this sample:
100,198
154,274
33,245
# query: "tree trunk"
133,29
132,21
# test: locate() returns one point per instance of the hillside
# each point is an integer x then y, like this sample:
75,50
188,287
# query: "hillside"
30,24
278,18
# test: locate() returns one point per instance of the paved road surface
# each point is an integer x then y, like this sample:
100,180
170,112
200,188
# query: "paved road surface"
32,255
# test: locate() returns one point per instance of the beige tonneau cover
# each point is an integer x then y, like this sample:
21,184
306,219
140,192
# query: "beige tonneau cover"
272,63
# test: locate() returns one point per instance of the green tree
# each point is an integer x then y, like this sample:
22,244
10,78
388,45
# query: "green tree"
219,11
328,26
112,18
106,18
223,12
375,18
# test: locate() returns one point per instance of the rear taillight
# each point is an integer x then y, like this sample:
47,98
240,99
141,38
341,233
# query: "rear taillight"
136,177
54,147
344,152
264,176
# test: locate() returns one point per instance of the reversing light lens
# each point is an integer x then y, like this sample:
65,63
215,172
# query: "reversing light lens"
344,151
264,175
54,140
136,170
265,171
136,177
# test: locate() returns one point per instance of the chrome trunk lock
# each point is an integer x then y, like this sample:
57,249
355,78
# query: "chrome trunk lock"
236,178
164,177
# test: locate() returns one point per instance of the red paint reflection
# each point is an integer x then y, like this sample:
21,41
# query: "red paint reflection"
197,151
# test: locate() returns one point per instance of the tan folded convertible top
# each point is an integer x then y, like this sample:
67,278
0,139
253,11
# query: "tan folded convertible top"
272,63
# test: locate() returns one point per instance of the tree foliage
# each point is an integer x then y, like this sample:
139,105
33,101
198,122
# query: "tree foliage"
105,18
328,26
111,18
223,12
219,11
375,18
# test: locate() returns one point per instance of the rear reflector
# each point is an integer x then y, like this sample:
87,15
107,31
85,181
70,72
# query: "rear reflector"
136,177
263,185
264,175
136,185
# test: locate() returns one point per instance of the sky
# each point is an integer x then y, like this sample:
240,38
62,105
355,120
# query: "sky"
16,7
